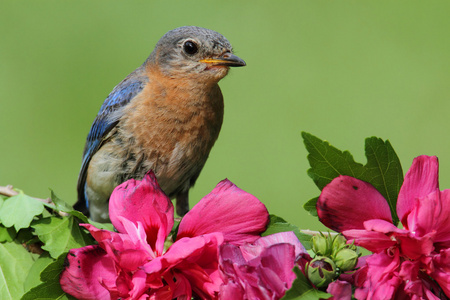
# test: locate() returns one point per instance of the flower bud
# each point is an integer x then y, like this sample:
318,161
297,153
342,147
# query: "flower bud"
346,259
339,242
352,246
321,271
320,245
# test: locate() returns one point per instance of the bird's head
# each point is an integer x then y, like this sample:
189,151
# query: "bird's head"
194,52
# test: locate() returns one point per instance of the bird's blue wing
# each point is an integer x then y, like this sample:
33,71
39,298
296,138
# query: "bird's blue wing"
107,118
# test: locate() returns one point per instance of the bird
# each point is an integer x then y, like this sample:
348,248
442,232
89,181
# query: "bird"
165,116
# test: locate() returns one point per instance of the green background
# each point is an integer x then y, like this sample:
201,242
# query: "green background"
341,70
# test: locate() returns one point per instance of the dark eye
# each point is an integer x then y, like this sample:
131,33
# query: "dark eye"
190,47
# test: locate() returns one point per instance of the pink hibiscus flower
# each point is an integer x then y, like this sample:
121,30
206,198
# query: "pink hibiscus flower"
260,270
407,262
135,262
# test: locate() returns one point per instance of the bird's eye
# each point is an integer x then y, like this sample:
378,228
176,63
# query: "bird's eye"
190,47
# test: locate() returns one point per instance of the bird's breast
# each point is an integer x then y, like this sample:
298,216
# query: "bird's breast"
171,129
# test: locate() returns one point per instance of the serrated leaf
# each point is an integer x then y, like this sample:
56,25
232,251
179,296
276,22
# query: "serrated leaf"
50,288
310,206
60,234
328,162
278,224
15,262
302,290
19,211
383,169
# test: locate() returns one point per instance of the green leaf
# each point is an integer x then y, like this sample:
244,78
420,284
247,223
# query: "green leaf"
328,162
20,210
33,277
61,234
50,288
383,169
302,290
25,236
310,206
60,205
47,291
105,226
7,234
278,224
53,270
15,262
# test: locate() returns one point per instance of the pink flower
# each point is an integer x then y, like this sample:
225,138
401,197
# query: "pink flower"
341,290
135,263
406,259
261,270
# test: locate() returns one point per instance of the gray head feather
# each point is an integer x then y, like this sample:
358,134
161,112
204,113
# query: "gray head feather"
172,59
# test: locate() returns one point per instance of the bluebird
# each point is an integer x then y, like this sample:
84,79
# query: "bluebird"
165,116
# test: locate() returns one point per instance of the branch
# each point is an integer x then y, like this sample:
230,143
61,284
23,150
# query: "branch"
311,232
8,191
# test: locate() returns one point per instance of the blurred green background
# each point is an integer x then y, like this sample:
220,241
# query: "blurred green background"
341,70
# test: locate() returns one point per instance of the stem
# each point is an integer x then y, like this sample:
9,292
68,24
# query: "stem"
312,232
8,191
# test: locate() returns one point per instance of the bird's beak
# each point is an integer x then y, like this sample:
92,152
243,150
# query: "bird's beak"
227,59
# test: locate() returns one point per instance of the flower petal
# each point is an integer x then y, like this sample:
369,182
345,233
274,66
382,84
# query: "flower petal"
186,249
250,251
414,248
139,285
420,180
86,268
431,214
137,236
194,259
280,258
341,290
232,254
383,227
442,217
129,251
240,216
266,276
346,202
199,282
441,270
371,240
382,279
183,289
155,210
410,245
231,290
